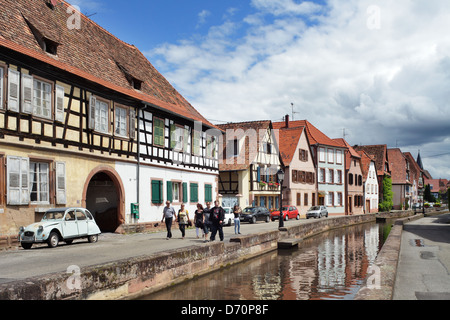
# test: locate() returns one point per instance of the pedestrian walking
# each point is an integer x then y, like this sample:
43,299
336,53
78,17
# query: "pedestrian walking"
198,221
168,216
207,219
217,217
183,220
237,219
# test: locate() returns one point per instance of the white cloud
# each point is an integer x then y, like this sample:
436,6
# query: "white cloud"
202,16
384,85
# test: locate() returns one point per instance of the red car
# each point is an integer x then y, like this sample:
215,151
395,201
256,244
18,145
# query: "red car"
290,212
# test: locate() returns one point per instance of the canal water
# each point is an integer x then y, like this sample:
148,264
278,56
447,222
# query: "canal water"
330,266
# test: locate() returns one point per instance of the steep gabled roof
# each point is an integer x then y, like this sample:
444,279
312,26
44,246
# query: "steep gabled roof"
379,154
89,52
288,142
315,136
366,160
397,161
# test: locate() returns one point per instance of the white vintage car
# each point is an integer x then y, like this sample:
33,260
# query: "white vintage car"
64,224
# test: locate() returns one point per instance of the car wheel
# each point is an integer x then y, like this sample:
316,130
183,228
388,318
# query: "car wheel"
26,246
53,240
93,239
253,219
298,217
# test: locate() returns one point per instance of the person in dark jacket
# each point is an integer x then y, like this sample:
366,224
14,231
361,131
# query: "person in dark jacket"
217,217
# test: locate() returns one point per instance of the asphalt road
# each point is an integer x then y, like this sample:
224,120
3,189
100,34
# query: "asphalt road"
41,260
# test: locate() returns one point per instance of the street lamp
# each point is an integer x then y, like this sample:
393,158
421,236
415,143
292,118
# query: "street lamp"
280,175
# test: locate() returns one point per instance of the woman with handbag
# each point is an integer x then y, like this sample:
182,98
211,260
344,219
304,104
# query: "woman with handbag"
198,221
183,220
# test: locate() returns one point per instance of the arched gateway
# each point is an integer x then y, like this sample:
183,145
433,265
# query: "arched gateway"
104,197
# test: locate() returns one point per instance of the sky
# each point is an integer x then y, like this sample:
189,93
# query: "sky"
376,70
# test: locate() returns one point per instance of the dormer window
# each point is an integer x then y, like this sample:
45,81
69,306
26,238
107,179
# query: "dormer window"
133,81
48,45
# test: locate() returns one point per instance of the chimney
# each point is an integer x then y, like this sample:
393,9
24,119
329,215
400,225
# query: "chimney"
287,121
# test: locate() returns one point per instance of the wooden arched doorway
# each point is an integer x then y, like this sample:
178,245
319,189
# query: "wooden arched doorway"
104,197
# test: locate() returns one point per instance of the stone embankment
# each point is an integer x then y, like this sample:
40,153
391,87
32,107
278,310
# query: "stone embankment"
132,278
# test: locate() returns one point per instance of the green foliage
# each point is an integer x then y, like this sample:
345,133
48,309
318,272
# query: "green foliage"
388,195
427,196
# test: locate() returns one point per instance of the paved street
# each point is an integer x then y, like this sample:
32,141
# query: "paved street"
40,260
424,265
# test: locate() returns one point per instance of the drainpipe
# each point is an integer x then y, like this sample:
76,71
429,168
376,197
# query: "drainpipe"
138,169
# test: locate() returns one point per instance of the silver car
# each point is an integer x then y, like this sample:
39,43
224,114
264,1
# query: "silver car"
317,212
65,224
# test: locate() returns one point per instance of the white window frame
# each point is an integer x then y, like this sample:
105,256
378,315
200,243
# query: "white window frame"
121,121
339,156
2,87
13,95
176,189
61,185
45,102
101,116
322,156
177,137
330,153
19,193
39,177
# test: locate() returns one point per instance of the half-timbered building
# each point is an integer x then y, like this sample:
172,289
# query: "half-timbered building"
249,164
86,120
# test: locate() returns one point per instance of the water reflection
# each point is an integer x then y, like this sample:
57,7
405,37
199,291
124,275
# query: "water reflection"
329,266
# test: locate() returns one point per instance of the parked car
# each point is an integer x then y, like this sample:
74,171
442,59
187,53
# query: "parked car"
290,212
66,224
229,216
253,214
317,212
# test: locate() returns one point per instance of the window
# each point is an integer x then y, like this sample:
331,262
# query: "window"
339,199
196,140
350,178
173,191
322,154
39,182
208,193
330,176
42,98
194,192
2,86
120,123
17,180
176,137
157,192
158,132
299,197
330,155
303,155
331,199
322,175
306,199
338,176
294,176
339,156
211,147
233,146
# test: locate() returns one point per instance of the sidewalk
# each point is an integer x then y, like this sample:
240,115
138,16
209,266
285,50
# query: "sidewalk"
423,271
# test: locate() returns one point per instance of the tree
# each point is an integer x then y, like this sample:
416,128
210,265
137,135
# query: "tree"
388,195
427,196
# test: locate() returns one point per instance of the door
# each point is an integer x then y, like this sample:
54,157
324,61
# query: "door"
82,222
70,227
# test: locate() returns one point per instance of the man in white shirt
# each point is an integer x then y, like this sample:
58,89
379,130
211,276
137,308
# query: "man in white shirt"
169,215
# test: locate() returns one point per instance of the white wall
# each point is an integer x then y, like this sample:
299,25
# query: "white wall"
148,211
372,184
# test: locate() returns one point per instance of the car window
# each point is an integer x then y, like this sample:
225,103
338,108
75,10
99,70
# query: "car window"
315,208
80,215
89,215
53,215
70,216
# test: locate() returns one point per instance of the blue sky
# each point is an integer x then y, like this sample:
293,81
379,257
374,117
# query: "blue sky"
378,69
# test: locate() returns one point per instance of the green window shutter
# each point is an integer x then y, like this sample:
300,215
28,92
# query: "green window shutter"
194,192
158,132
157,192
169,191
185,192
208,193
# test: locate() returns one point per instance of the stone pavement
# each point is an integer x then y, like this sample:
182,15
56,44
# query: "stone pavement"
423,271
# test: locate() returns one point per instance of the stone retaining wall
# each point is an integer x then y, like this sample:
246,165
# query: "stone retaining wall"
142,275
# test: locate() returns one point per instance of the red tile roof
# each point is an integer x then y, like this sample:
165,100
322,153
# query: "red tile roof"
397,162
90,52
379,154
288,142
366,160
315,136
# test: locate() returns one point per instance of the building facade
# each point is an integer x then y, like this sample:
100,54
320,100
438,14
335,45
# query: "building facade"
250,162
370,180
300,172
86,120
